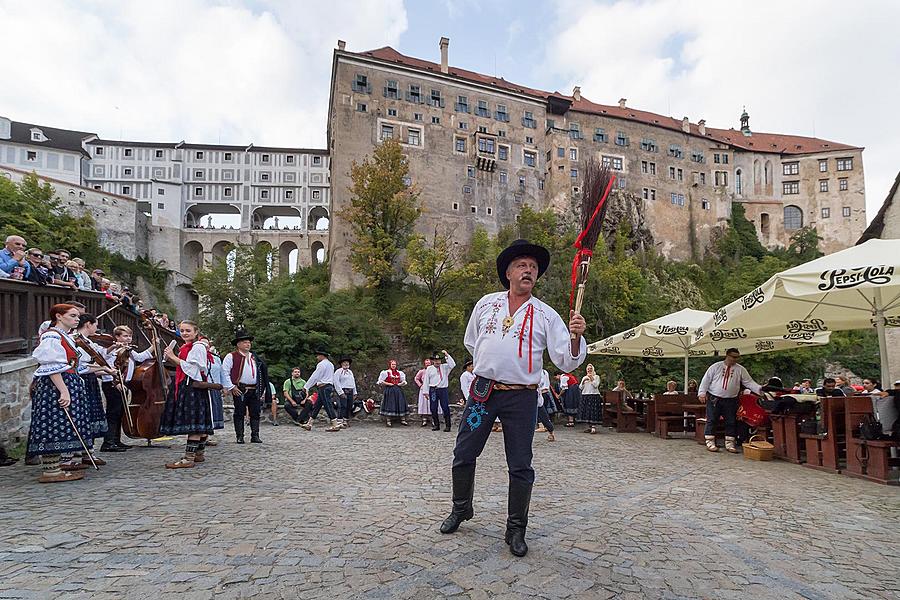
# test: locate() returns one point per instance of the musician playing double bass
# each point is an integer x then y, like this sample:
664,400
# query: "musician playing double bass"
123,356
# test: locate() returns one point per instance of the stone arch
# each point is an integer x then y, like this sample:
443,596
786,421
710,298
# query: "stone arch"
318,219
191,258
793,217
288,256
222,249
317,250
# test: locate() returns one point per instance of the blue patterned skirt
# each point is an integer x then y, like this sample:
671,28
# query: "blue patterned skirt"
96,416
590,410
571,399
51,432
188,412
549,403
394,402
218,409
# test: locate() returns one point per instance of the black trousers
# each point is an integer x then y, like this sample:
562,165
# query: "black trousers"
544,417
115,412
299,413
248,401
517,410
346,404
325,401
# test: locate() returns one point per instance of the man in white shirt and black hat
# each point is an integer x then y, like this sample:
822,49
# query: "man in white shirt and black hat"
720,389
246,378
507,335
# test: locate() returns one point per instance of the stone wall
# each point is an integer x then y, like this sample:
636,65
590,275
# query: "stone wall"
15,405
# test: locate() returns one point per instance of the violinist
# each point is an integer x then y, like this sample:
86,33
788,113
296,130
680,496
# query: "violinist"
122,356
56,387
88,368
188,409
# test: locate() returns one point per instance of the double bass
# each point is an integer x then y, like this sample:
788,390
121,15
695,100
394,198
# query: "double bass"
149,387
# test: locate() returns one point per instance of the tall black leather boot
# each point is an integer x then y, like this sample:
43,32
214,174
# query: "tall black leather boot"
239,427
435,422
447,421
254,431
463,489
517,521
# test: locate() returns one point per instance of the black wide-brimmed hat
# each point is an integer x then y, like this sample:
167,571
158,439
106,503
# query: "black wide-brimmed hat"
345,359
322,352
521,248
241,334
436,356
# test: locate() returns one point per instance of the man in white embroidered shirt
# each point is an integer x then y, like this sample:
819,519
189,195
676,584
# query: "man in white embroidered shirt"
507,335
720,389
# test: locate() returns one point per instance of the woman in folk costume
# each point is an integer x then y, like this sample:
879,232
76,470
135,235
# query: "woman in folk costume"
188,410
394,402
424,408
590,409
545,400
571,396
88,369
56,389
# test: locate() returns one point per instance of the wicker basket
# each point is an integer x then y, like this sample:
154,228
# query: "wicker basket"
758,449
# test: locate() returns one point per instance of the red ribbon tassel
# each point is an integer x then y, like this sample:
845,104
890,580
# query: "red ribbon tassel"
529,318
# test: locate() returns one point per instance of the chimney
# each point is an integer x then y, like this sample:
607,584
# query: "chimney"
445,46
576,93
701,124
341,45
622,102
685,125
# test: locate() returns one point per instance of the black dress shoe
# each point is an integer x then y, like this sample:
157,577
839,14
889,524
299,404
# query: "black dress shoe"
254,439
240,439
122,446
110,448
447,427
436,428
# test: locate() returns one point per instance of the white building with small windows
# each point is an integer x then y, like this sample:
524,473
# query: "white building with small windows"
49,151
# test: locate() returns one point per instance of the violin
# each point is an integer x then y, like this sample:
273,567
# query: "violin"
84,343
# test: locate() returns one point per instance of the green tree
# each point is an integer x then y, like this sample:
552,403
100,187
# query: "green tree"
382,213
437,263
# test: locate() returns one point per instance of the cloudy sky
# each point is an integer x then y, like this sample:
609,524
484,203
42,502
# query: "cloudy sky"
258,70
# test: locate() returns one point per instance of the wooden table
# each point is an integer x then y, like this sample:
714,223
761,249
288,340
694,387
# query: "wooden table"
646,411
618,414
786,437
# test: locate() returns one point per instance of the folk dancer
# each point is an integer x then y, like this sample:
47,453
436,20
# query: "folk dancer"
188,410
424,408
545,403
507,335
465,380
719,389
57,386
393,404
246,379
436,384
295,397
115,394
345,386
570,395
590,408
88,369
323,379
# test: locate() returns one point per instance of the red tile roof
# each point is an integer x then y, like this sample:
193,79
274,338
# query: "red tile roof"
758,142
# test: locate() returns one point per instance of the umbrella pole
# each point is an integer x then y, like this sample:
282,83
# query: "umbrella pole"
686,355
882,339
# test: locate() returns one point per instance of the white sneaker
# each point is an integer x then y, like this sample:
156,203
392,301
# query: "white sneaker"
729,445
711,443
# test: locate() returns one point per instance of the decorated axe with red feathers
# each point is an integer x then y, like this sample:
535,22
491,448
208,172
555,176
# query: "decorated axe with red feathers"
598,182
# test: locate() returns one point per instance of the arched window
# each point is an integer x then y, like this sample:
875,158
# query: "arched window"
757,178
793,217
738,182
764,223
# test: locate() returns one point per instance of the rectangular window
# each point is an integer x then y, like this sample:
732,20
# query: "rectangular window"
317,160
265,159
158,154
645,193
463,125
289,159
645,167
823,185
387,132
529,139
721,178
456,206
435,100
264,194
126,189
528,120
198,191
621,138
483,110
160,205
98,151
264,177
574,131
530,158
791,168
653,168
412,136
521,182
198,174
613,162
704,204
823,166
675,151
501,114
198,155
390,89
470,172
698,157
361,84
652,194
573,153
560,152
462,104
392,112
435,120
460,144
724,159
361,107
127,172
486,145
316,194
845,211
504,178
842,184
671,172
716,158
680,175
227,192
482,129
845,164
128,152
826,212
503,152
501,133
702,178
600,135
649,145
790,188
573,173
160,192
467,189
473,209
414,94
288,194
620,182
490,211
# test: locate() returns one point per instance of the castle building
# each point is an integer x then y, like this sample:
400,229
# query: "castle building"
56,153
481,147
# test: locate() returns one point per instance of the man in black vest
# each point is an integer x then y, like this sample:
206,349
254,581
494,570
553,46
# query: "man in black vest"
246,378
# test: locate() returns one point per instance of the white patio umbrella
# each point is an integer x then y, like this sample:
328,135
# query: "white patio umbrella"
855,288
681,335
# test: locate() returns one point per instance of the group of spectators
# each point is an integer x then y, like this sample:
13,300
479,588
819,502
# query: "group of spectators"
58,267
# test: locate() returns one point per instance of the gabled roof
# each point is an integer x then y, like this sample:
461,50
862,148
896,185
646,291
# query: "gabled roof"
758,142
60,139
876,227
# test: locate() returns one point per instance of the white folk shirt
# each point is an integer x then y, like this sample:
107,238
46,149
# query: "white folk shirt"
344,380
249,371
590,387
196,364
135,358
543,386
324,374
438,376
504,356
465,383
726,382
51,354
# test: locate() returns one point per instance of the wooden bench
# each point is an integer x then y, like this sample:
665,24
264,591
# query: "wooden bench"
786,438
621,416
825,450
670,411
868,459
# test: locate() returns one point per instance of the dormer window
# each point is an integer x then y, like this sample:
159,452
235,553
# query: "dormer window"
37,135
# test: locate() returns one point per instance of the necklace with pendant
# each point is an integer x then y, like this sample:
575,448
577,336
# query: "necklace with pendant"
507,323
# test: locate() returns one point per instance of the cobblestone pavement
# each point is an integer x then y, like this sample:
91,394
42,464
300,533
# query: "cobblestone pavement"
355,514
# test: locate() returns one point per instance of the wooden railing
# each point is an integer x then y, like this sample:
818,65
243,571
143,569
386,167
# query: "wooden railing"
24,306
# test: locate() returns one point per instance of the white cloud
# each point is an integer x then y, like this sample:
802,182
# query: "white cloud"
800,67
199,70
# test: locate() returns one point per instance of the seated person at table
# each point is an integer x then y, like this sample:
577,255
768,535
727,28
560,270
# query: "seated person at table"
843,383
620,387
806,387
829,388
692,386
670,389
884,404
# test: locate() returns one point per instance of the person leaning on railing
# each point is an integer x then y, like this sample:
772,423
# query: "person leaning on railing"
12,258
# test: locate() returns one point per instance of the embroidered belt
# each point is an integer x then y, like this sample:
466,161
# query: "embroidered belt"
514,386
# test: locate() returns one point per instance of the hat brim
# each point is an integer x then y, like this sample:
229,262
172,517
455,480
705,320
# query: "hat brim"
538,253
322,353
345,360
241,338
